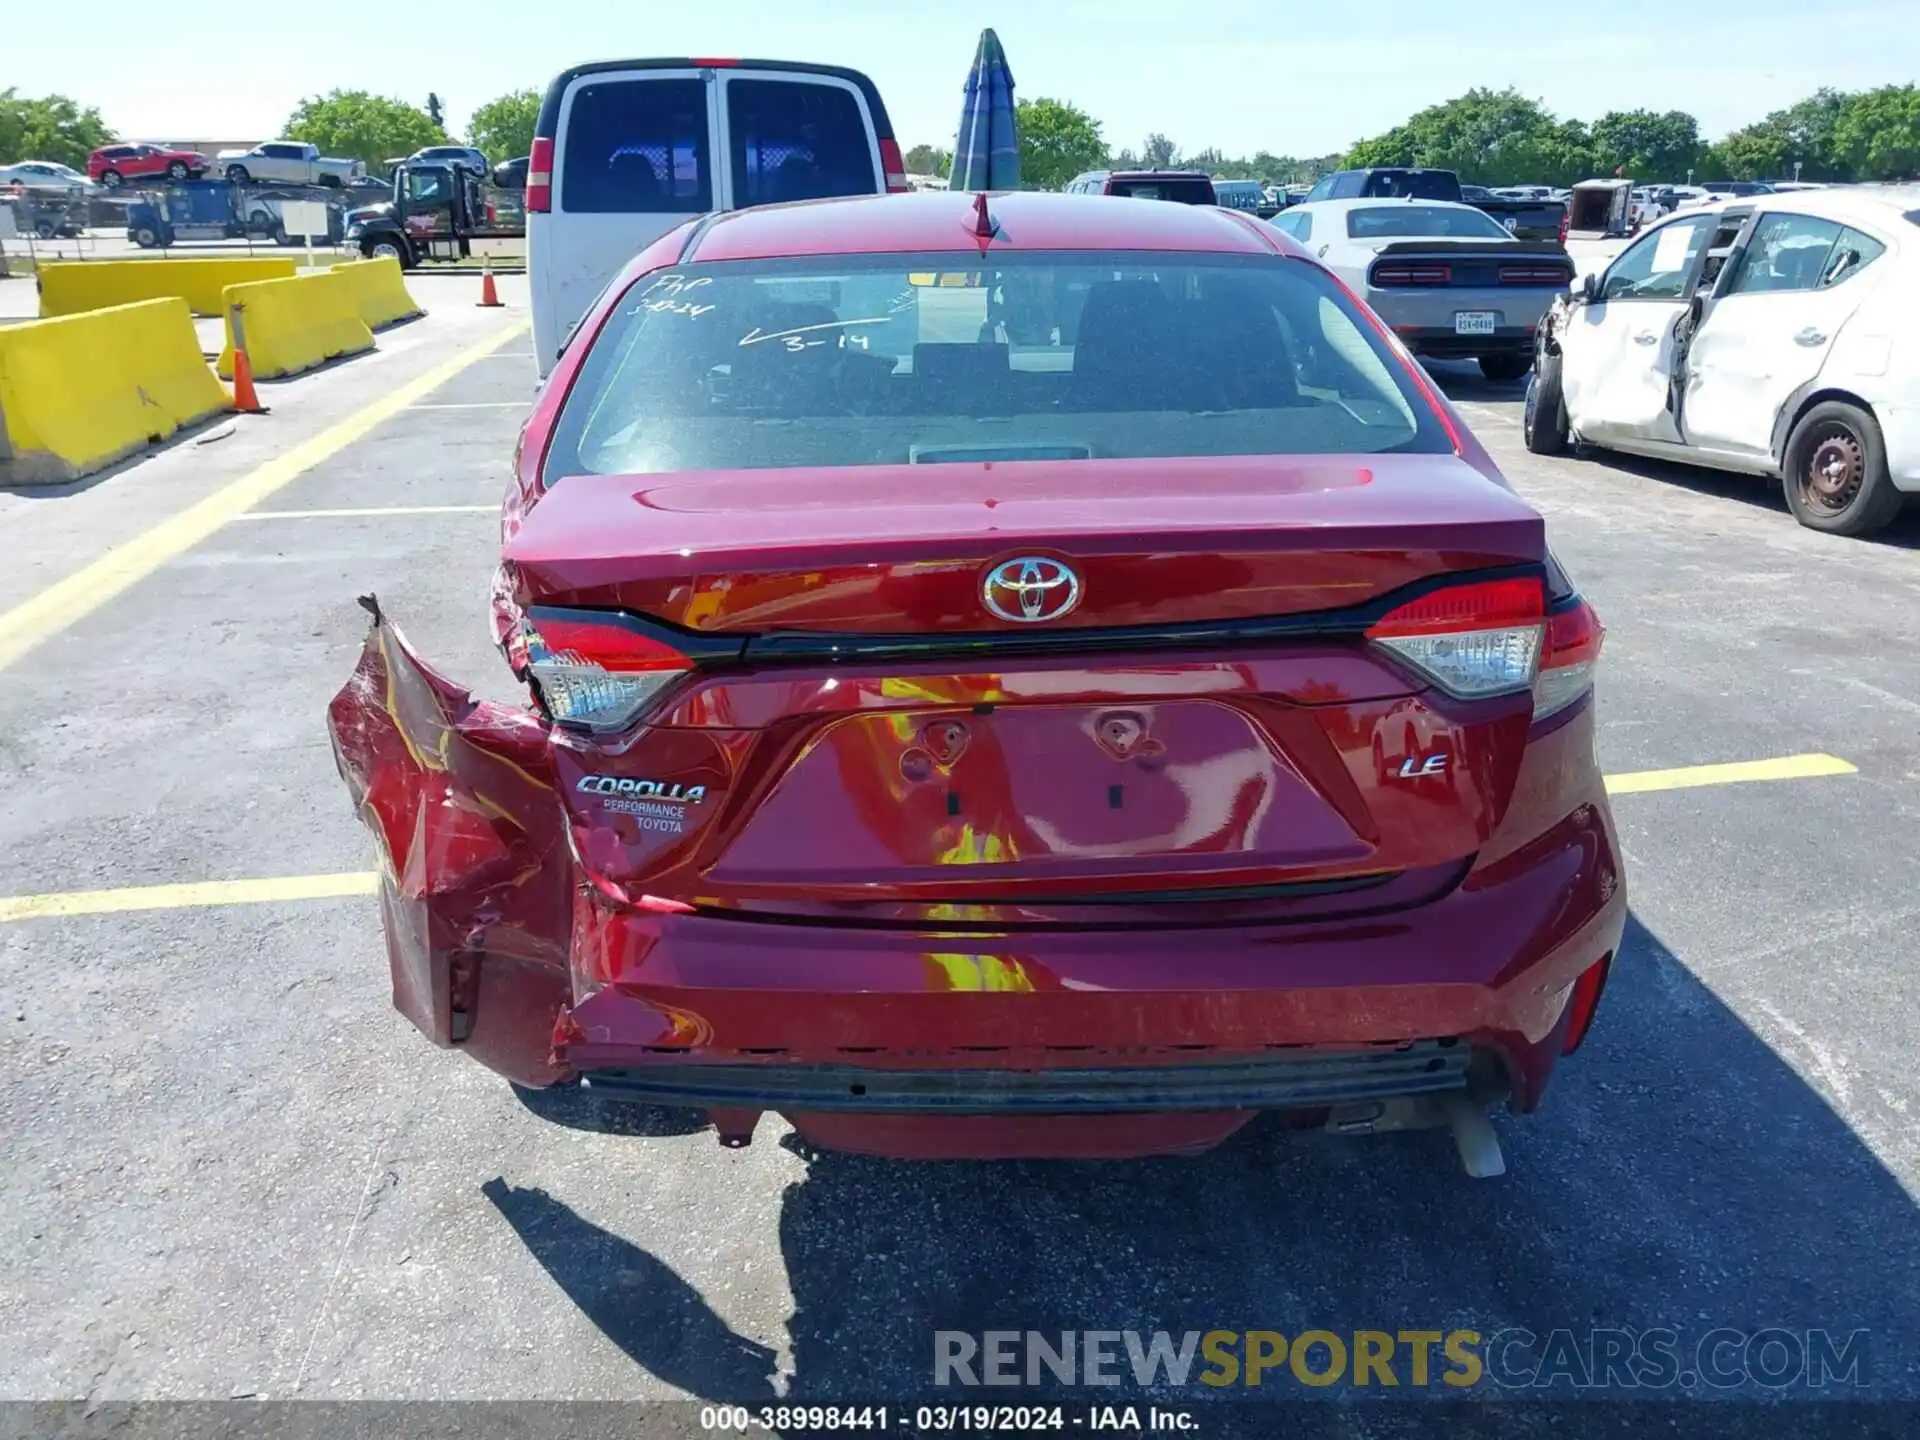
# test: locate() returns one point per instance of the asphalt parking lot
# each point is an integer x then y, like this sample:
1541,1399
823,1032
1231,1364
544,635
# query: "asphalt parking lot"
228,1169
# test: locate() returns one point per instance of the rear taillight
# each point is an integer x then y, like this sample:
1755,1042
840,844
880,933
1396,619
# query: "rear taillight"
1556,275
1566,222
1585,1002
1473,640
539,193
1408,274
594,673
1568,661
893,165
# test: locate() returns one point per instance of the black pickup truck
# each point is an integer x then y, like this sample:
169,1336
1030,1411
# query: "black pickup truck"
1524,219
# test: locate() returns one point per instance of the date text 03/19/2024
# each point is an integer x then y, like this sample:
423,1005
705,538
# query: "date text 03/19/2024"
942,1419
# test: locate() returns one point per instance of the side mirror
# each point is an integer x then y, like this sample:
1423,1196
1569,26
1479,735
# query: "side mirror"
1588,288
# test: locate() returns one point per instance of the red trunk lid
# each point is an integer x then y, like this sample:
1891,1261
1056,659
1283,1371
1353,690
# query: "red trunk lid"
889,549
1117,778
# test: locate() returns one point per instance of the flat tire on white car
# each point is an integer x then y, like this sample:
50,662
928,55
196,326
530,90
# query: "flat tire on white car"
1543,420
1835,471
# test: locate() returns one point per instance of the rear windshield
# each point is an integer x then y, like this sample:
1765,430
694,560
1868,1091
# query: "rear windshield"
1420,184
891,360
636,146
1190,191
1377,221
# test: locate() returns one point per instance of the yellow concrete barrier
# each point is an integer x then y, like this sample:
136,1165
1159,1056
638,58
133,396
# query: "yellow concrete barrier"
295,324
79,392
72,286
380,290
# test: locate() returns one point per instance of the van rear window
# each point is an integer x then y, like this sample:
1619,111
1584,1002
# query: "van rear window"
797,140
637,147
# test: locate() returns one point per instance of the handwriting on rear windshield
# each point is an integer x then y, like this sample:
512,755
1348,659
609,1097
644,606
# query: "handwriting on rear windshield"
670,295
805,337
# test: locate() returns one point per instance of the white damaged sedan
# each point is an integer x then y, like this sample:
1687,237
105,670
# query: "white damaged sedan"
1772,335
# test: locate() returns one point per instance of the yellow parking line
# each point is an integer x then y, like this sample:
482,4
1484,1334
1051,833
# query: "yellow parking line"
366,510
65,601
182,897
1688,777
367,882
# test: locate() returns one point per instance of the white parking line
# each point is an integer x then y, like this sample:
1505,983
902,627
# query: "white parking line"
1481,412
369,510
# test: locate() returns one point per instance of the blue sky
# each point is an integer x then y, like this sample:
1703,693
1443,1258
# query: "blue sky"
1239,74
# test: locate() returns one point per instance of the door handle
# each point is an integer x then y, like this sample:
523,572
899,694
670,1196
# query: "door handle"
1809,336
1646,337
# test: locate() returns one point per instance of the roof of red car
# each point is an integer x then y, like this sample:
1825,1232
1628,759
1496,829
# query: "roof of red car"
936,221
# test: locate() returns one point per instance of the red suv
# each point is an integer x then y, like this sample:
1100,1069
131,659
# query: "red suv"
114,164
1007,677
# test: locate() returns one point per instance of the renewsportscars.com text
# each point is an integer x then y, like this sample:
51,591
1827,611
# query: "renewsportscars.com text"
1603,1359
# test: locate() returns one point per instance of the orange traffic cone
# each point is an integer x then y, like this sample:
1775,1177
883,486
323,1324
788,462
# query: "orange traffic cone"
245,402
489,297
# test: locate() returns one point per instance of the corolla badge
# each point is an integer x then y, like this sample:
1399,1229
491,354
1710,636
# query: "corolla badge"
1030,589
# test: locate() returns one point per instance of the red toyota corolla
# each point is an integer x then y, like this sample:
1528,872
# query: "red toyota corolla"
1049,679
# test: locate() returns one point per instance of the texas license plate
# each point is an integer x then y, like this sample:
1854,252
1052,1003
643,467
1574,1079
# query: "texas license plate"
1473,322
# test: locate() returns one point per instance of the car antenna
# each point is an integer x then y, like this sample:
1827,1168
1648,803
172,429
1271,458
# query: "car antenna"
982,223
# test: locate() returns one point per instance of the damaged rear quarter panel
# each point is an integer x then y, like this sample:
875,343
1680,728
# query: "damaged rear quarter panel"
476,875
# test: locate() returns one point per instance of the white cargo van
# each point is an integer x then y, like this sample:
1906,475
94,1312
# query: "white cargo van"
627,149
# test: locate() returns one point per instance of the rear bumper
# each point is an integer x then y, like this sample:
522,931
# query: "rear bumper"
1285,1082
1444,344
1055,1039
811,1019
1900,428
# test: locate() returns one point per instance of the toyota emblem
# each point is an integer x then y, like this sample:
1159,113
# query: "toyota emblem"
1030,589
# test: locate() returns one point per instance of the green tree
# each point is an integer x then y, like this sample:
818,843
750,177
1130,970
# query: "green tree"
49,128
1810,128
1645,145
1057,142
1760,151
929,160
355,125
1159,153
1490,137
1878,134
503,127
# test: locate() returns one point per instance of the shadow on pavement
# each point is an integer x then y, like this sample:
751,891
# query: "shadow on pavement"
1680,1175
578,1108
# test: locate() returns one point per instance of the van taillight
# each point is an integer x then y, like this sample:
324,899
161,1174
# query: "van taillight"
539,195
893,165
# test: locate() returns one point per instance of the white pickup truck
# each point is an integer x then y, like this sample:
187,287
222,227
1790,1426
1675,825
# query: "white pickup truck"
287,162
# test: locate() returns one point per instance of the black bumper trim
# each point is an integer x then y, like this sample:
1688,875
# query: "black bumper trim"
1309,1078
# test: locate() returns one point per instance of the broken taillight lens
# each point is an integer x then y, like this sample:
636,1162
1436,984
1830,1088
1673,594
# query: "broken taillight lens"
595,673
1473,640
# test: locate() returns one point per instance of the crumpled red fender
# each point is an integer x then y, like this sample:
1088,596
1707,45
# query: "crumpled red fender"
477,877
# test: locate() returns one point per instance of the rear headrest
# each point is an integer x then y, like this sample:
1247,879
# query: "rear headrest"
632,174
